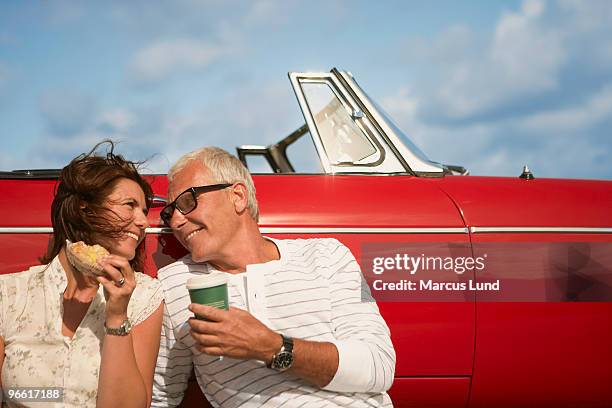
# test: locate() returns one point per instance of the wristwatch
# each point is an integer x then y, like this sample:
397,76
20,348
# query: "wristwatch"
122,330
283,360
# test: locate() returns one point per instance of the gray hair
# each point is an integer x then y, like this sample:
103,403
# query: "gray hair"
225,168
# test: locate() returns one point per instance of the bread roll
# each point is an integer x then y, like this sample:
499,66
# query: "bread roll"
85,257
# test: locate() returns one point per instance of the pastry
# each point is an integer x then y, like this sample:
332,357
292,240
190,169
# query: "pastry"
85,257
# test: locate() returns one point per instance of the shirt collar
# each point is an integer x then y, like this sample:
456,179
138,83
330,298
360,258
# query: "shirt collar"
276,263
56,276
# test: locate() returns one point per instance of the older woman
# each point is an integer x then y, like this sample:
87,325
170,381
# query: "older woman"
93,338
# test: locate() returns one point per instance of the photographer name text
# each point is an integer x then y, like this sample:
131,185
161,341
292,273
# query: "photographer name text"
431,285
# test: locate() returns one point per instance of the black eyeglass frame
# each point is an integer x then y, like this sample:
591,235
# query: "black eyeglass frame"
195,192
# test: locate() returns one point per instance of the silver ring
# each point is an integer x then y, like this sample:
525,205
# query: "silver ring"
120,282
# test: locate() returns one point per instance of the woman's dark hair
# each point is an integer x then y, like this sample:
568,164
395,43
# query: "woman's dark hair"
79,210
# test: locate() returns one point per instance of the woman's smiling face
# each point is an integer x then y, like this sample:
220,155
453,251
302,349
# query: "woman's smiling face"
127,205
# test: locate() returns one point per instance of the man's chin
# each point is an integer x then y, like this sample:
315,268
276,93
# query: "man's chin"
200,252
198,257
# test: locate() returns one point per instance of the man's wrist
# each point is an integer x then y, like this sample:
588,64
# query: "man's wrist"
276,342
283,358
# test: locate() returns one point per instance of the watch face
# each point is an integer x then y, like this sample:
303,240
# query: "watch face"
283,360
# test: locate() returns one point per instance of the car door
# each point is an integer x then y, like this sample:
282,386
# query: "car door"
545,336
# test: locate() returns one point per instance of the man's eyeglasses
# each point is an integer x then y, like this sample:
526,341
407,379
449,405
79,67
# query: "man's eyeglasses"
187,201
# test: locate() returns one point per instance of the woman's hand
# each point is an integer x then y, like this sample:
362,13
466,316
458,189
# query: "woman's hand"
118,295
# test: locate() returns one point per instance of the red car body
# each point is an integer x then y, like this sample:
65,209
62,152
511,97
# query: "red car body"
449,354
553,351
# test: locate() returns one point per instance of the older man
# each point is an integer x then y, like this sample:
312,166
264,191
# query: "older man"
301,331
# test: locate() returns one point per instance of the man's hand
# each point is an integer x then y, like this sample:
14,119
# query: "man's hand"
234,333
237,334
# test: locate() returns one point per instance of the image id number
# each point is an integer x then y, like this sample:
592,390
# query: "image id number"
33,394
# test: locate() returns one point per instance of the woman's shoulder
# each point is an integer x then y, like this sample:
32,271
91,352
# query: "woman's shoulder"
23,279
146,286
15,290
145,281
146,297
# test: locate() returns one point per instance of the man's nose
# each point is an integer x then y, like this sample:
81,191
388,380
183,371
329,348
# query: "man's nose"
177,220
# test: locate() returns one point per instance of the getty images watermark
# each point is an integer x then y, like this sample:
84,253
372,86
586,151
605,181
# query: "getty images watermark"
413,264
487,272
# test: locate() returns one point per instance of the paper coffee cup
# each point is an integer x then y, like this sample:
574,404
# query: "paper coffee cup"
210,289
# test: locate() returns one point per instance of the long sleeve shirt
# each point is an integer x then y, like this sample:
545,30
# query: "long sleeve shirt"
315,291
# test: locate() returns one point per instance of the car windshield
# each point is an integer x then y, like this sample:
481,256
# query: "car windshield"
391,123
403,137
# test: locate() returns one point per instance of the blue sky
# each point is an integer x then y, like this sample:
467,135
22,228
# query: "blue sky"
488,85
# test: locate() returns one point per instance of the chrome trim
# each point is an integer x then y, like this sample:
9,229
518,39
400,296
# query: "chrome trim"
26,230
248,147
280,230
49,230
580,230
163,230
295,83
362,230
366,230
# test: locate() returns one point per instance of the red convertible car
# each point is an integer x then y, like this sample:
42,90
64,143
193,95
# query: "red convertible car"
531,328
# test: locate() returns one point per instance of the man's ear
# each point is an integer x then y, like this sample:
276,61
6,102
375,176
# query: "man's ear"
239,197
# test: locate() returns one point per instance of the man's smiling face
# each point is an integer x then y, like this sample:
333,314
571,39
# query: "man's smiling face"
207,230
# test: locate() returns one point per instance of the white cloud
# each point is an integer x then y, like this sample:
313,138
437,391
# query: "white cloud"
491,99
209,32
8,161
257,113
523,58
67,112
403,102
4,75
536,90
465,145
267,12
167,58
555,143
577,118
118,119
589,15
524,53
590,25
61,12
560,156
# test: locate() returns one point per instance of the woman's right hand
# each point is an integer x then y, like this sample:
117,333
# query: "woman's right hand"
118,295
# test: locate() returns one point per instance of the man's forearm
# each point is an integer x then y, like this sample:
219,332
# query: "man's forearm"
315,362
238,334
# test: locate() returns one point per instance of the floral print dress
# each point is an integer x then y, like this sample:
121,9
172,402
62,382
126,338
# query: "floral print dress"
38,355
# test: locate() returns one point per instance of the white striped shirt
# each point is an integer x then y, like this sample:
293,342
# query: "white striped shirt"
314,292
